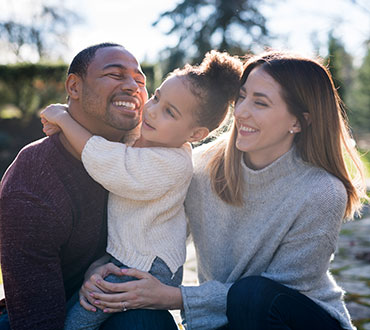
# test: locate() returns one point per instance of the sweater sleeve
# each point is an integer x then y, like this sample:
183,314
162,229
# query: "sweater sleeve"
205,305
305,253
136,173
31,267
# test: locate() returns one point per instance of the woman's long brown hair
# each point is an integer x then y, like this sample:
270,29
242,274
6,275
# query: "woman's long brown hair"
324,140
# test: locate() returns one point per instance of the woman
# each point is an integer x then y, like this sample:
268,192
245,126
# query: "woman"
265,208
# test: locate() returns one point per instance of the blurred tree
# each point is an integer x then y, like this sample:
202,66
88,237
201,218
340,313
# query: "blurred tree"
341,66
43,31
359,101
201,25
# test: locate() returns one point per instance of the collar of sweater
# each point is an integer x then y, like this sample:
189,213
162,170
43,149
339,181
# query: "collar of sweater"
287,164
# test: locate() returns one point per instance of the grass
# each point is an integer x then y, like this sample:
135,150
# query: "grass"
365,157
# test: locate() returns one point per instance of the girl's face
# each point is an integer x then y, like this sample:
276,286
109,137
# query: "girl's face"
168,119
263,121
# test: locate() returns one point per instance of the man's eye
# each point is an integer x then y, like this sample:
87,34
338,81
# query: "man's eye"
114,75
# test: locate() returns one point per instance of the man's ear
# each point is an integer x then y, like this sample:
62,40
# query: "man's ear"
73,86
198,134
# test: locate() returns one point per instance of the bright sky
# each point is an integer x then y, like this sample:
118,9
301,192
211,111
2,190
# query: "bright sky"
294,22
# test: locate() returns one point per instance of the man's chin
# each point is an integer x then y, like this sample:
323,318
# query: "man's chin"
127,124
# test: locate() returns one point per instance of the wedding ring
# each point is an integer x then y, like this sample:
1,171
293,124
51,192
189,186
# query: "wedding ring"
124,309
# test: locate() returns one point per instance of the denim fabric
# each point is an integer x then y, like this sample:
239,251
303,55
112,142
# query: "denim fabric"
258,303
78,318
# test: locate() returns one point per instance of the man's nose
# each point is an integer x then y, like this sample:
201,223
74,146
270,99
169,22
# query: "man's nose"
130,84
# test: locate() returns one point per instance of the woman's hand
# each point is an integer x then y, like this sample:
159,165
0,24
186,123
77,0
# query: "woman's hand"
96,272
147,292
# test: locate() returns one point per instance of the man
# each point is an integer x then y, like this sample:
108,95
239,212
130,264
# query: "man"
52,214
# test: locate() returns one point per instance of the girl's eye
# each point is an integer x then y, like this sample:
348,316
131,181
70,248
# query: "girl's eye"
169,111
155,98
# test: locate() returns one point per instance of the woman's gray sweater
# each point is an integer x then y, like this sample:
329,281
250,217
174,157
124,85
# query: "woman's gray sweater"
287,231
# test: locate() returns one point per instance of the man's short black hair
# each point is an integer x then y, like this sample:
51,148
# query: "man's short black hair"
82,60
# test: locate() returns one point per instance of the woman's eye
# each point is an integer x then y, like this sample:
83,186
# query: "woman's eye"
240,97
261,104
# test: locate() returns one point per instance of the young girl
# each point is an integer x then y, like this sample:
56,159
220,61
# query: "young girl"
148,181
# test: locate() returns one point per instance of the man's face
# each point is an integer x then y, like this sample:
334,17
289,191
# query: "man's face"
113,91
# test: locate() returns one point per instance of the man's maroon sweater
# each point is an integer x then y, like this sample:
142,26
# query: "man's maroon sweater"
52,227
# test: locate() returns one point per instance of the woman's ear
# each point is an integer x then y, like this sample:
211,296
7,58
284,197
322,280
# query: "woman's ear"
73,86
198,134
296,128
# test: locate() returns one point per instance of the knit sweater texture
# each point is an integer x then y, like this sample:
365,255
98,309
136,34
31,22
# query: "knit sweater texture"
147,186
287,231
52,227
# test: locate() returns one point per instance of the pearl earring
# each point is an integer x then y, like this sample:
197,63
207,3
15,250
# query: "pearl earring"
291,131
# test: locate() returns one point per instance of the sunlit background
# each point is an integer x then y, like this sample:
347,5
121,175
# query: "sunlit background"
38,38
299,25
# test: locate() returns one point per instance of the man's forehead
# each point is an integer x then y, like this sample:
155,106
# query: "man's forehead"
115,56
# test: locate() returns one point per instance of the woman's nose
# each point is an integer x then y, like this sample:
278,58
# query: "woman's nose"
242,109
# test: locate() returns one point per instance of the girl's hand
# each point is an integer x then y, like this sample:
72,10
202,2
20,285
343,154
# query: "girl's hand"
54,113
49,128
146,292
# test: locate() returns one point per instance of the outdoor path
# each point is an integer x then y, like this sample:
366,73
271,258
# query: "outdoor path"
350,267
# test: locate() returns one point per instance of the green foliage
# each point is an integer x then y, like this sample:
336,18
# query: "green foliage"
353,84
232,25
340,65
29,87
359,101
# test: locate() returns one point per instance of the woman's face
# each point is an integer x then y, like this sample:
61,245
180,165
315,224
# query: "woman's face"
263,121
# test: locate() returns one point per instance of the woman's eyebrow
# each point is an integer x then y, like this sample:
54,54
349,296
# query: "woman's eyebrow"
259,94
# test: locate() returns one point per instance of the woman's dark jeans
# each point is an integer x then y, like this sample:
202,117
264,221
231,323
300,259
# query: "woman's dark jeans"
259,303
